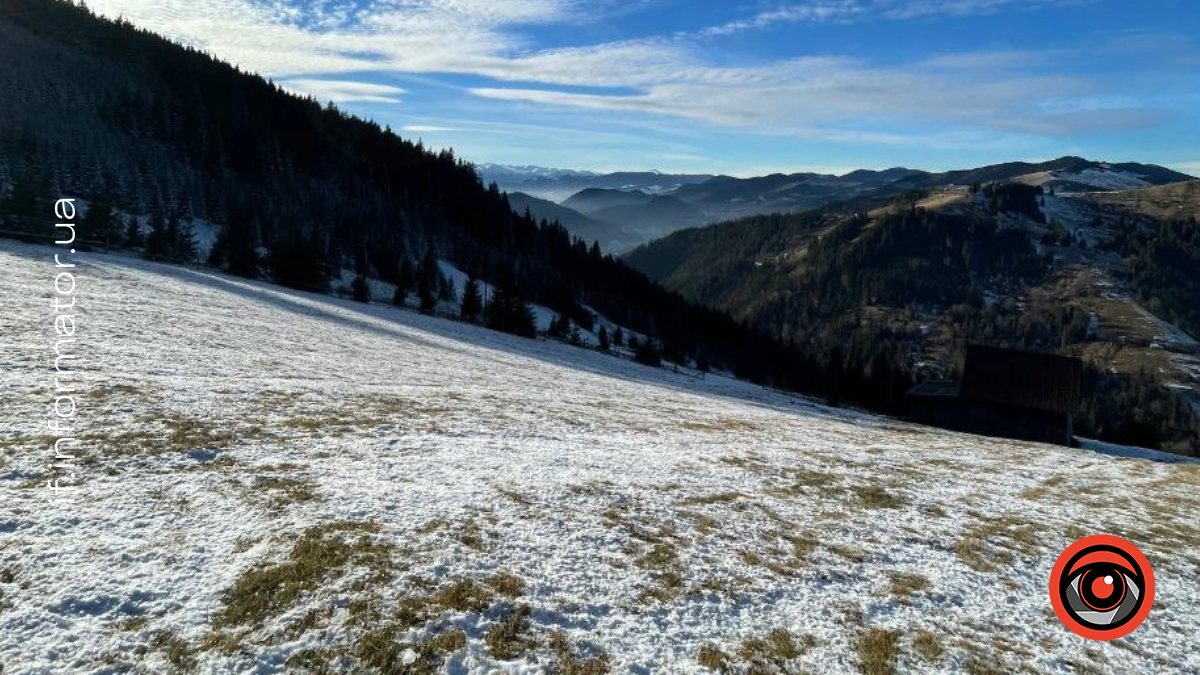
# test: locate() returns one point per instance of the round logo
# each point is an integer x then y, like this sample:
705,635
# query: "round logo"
1102,587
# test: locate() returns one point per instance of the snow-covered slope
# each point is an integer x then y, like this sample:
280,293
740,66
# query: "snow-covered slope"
285,482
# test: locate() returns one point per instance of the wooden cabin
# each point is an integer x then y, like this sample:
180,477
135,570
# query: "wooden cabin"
1005,393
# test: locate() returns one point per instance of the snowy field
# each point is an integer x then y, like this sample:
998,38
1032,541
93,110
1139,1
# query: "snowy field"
285,482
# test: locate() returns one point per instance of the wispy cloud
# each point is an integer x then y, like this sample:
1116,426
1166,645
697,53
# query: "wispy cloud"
826,97
343,91
426,128
1191,168
816,11
320,48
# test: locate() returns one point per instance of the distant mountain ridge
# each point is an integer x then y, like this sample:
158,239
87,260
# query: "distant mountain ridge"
624,201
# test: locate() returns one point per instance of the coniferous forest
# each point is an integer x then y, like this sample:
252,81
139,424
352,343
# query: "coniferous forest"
136,124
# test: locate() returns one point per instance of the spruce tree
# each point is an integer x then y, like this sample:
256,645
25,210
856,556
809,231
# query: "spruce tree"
407,279
428,277
133,233
360,289
603,337
447,290
647,353
99,223
559,327
618,337
509,313
243,259
158,243
185,243
472,302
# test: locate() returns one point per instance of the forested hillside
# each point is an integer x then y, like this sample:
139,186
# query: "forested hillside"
894,290
144,128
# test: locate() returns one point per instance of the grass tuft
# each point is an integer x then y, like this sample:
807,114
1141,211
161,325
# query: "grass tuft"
321,553
877,650
509,639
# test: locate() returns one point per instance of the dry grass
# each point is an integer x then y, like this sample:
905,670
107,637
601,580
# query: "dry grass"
470,534
905,584
321,554
714,659
662,560
853,554
180,654
381,651
509,639
876,497
715,426
184,435
877,651
928,646
463,595
507,585
570,663
990,544
717,498
1038,493
132,623
279,491
515,496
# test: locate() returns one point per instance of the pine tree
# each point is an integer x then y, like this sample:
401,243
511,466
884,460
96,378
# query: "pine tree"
647,353
559,326
172,238
133,233
99,223
446,290
243,259
297,261
31,193
219,253
428,277
603,337
360,289
158,243
509,313
400,297
185,243
407,279
573,335
472,302
618,337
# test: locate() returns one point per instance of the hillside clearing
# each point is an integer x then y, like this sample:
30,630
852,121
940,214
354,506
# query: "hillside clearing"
280,481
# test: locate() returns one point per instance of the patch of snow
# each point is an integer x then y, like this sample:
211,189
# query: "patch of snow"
1106,179
597,481
1134,452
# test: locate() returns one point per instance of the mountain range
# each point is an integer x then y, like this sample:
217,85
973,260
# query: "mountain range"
622,210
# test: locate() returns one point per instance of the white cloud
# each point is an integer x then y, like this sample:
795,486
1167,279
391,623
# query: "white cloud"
853,10
1191,168
319,46
817,97
425,128
343,91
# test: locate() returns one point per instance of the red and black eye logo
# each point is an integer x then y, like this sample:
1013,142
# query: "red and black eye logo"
1102,587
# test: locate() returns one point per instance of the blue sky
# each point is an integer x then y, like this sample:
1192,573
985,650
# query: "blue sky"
739,87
